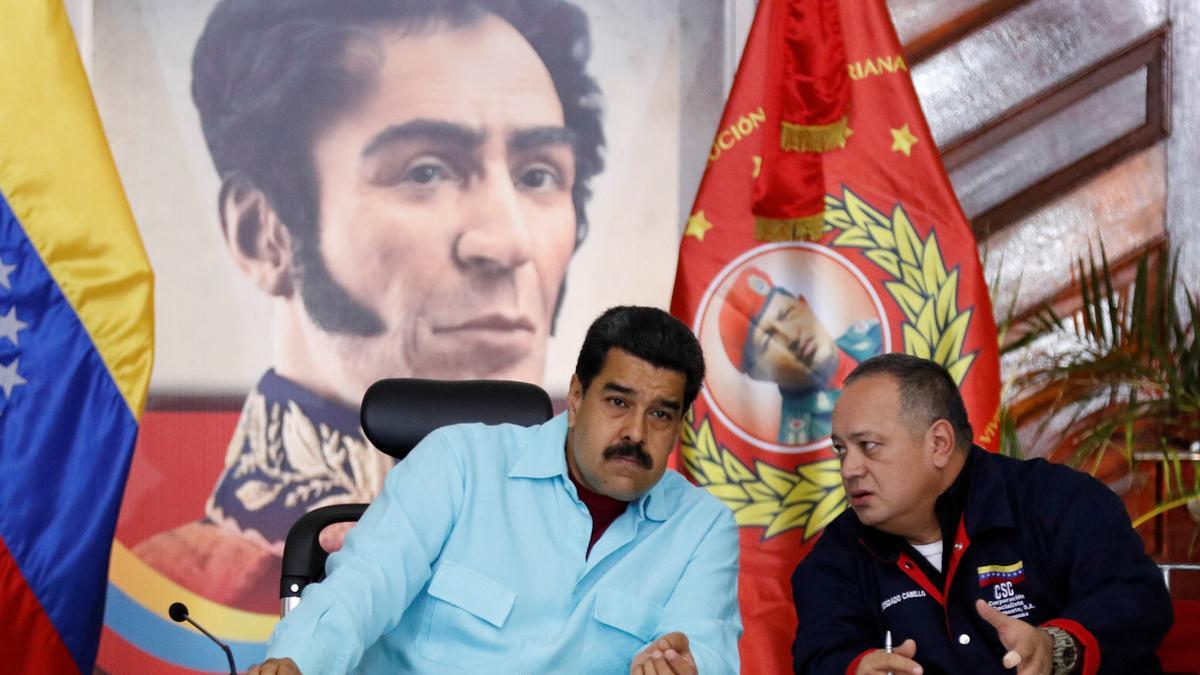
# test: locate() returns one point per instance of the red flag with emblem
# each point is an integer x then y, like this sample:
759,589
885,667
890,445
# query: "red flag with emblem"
889,265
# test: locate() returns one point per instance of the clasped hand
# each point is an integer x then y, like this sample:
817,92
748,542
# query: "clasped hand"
275,667
668,655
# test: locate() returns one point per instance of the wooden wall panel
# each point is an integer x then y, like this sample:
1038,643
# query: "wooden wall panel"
1065,124
1122,207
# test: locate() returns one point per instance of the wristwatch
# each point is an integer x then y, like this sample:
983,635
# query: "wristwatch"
1064,649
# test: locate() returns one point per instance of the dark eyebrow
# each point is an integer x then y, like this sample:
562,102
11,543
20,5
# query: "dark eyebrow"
525,140
760,346
423,129
619,388
670,403
622,389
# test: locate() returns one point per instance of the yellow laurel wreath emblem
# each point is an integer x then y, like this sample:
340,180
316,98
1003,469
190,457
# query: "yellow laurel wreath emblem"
934,328
765,496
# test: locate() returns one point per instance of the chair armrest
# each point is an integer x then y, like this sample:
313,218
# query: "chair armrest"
303,557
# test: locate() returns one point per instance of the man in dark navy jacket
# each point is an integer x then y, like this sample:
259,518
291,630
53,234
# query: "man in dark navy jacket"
965,561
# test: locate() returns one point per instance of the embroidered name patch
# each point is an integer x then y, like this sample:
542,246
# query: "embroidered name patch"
906,595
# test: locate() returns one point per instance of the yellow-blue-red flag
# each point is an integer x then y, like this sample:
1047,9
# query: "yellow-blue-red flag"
76,346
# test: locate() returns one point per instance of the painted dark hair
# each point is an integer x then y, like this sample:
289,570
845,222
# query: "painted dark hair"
269,75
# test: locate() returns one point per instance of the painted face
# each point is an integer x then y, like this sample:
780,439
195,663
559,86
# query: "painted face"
790,346
445,209
623,427
888,468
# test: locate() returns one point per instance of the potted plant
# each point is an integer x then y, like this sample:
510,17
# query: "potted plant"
1114,383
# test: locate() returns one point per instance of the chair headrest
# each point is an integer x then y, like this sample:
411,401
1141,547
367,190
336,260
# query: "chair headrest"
397,413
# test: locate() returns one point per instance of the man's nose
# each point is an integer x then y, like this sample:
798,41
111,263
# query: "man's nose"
635,429
495,236
852,466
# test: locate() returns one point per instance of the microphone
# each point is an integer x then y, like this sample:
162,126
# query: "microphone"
179,613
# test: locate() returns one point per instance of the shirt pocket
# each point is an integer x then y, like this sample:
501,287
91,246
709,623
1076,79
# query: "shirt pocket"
622,624
466,614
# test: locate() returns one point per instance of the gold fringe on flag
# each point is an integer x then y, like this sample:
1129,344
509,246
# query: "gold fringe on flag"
805,228
817,138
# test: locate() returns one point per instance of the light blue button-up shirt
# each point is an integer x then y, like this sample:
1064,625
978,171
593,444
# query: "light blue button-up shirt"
474,557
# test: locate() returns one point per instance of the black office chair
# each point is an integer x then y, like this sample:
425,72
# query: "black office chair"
396,414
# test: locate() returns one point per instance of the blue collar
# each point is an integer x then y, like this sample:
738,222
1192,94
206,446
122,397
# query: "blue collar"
545,457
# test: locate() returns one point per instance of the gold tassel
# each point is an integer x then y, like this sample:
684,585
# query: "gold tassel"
806,228
821,138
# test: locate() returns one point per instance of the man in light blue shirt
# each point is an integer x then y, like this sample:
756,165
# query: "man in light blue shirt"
498,548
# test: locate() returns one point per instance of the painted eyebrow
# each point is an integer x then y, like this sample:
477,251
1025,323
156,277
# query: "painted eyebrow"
533,138
422,129
761,344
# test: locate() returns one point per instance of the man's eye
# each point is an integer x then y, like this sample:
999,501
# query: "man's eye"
429,171
765,337
616,402
539,177
868,446
839,450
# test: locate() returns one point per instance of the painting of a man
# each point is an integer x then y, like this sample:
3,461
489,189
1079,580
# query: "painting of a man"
407,182
773,335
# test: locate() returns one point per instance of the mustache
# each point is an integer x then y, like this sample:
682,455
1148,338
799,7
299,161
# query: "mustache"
634,451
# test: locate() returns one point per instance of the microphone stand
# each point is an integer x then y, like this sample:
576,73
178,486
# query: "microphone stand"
179,613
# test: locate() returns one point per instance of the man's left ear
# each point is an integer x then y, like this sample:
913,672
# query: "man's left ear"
940,440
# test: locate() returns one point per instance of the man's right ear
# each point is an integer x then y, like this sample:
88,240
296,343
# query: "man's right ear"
574,400
259,242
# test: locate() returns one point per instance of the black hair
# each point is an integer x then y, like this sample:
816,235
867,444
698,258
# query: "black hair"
268,75
649,334
926,389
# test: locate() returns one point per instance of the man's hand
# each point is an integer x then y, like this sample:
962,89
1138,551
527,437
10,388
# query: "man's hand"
900,660
668,655
275,667
1030,649
332,537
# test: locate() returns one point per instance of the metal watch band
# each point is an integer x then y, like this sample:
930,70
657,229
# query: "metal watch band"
1065,650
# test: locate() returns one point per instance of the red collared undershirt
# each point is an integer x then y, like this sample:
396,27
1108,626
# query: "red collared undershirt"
603,509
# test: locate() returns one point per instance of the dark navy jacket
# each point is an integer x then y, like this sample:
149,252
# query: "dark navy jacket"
1037,541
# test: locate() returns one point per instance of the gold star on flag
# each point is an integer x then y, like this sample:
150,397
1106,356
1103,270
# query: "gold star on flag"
757,166
697,226
849,133
903,140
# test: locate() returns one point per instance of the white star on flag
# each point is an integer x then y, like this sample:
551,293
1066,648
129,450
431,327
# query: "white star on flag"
5,270
9,378
10,324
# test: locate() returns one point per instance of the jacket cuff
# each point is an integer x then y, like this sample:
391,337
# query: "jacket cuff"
853,667
1091,648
